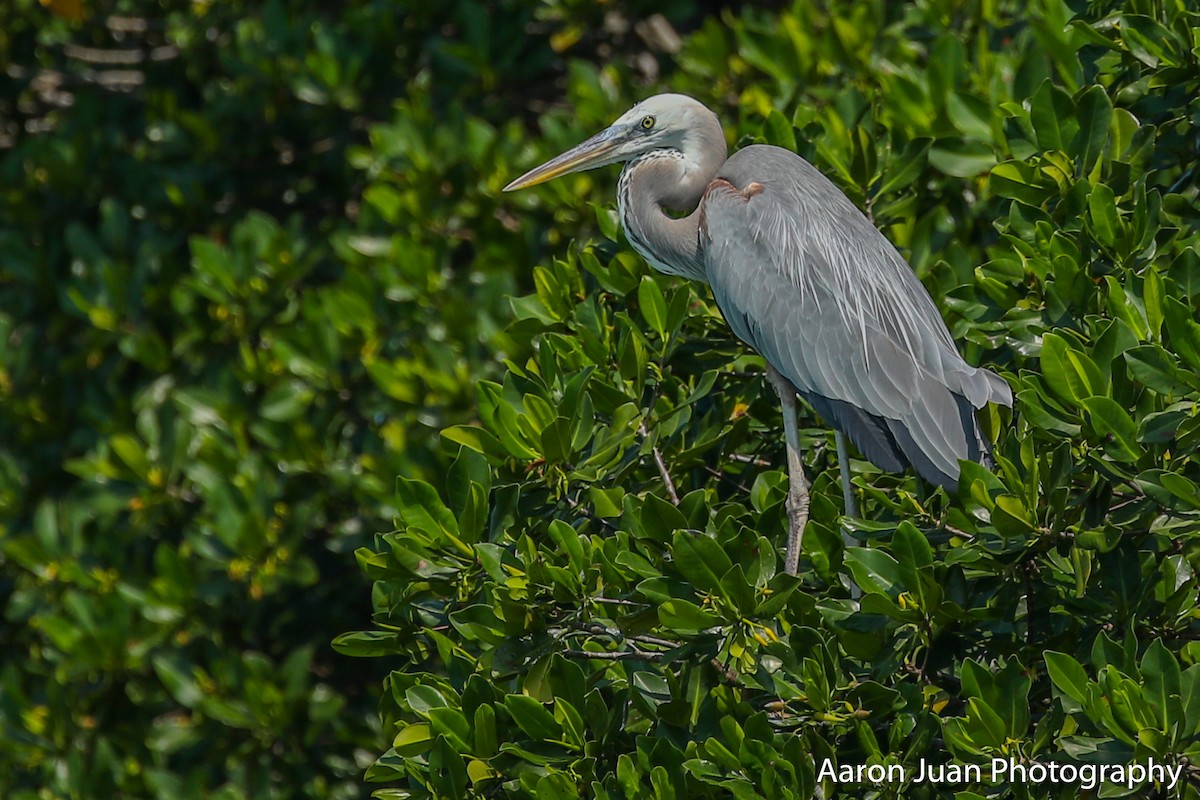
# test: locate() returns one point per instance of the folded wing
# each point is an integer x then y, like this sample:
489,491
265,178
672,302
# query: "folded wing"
807,280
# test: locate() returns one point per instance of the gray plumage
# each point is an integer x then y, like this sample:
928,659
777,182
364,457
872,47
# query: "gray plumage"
804,278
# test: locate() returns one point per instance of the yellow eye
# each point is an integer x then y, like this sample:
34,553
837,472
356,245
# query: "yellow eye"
647,123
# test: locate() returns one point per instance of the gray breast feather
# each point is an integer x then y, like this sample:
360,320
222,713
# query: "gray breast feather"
804,278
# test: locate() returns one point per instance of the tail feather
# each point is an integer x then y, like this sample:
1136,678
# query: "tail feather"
922,443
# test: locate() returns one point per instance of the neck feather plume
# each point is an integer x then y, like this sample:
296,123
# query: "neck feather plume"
675,180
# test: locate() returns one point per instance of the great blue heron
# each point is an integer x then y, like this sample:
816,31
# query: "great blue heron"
803,277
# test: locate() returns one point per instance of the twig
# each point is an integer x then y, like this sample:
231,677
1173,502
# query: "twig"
728,673
752,460
662,466
957,531
617,601
721,476
644,639
97,55
622,655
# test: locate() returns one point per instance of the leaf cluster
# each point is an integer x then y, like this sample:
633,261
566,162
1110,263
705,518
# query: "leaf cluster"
592,605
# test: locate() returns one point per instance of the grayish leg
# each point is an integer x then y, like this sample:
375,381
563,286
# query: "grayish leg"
848,497
797,500
844,466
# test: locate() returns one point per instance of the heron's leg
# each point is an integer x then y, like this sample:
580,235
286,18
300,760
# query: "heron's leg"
851,509
844,466
797,500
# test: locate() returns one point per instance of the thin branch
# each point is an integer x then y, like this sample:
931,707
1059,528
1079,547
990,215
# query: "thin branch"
662,466
721,476
752,460
121,80
97,55
618,602
644,639
957,531
623,655
728,673
127,24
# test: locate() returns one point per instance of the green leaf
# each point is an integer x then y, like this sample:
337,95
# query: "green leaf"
607,222
970,115
686,617
1021,181
736,588
1095,118
532,717
627,776
1160,427
987,721
473,518
484,727
606,503
365,644
914,556
1190,706
413,740
962,159
132,452
1169,489
700,559
556,786
556,440
286,401
422,697
1072,375
448,765
874,570
468,469
1011,517
569,542
1164,687
478,439
906,167
178,675
1153,293
551,292
1154,367
652,304
1150,42
1185,272
660,518
422,508
677,307
1067,674
1052,114
451,723
531,308
777,130
781,588
1121,308
1102,211
1116,426
1184,331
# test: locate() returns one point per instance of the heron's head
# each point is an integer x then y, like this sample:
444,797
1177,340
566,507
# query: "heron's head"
663,122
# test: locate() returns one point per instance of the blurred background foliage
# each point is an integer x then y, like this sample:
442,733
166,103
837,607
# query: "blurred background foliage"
250,266
254,265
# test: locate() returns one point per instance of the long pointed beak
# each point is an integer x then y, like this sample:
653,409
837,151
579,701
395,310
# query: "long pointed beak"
595,152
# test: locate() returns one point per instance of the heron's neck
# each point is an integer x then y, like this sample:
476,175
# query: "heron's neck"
654,183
